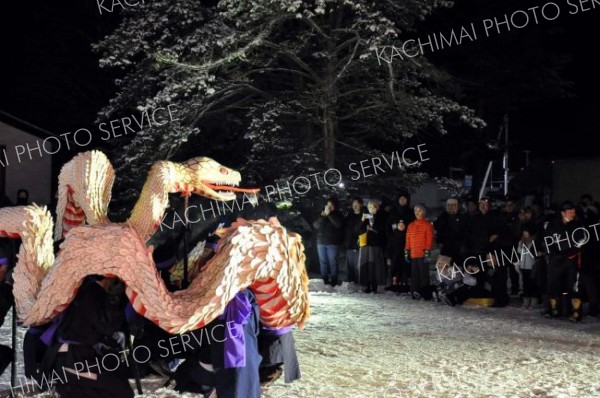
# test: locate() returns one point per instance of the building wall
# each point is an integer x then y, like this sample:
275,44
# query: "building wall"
32,174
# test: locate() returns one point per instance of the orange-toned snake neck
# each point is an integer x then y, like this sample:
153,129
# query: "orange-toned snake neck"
201,175
85,186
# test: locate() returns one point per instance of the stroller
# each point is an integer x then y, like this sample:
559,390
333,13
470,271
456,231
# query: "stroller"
451,280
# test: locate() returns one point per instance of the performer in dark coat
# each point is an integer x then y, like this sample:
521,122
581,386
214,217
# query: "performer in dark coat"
225,353
80,340
278,348
236,377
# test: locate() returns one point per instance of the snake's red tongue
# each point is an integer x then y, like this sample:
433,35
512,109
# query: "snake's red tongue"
245,190
230,188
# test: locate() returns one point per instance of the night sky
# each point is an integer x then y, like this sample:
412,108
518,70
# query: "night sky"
50,75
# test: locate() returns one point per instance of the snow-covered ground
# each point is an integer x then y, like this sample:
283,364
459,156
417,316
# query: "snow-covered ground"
359,345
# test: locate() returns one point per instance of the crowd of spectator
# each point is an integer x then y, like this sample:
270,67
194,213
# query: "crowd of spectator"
487,250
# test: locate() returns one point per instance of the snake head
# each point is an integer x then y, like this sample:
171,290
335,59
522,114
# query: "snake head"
206,177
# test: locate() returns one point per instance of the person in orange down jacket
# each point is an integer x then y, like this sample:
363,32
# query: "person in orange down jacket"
419,240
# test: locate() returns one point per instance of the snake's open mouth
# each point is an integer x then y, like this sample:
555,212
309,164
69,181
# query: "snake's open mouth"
229,187
227,190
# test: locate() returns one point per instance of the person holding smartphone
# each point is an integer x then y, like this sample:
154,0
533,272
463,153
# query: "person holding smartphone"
371,268
352,224
329,238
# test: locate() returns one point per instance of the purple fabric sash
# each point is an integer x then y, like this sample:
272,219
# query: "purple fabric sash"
236,315
48,336
277,332
3,260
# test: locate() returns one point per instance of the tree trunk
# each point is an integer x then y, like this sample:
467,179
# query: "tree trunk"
329,131
329,115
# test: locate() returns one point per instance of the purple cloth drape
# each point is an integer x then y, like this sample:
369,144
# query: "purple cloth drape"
236,315
48,336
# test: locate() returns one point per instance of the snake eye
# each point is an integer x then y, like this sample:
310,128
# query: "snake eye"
224,170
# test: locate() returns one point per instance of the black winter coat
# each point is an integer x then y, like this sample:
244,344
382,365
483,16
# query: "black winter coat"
395,245
376,235
450,233
352,224
480,229
329,229
568,234
91,317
